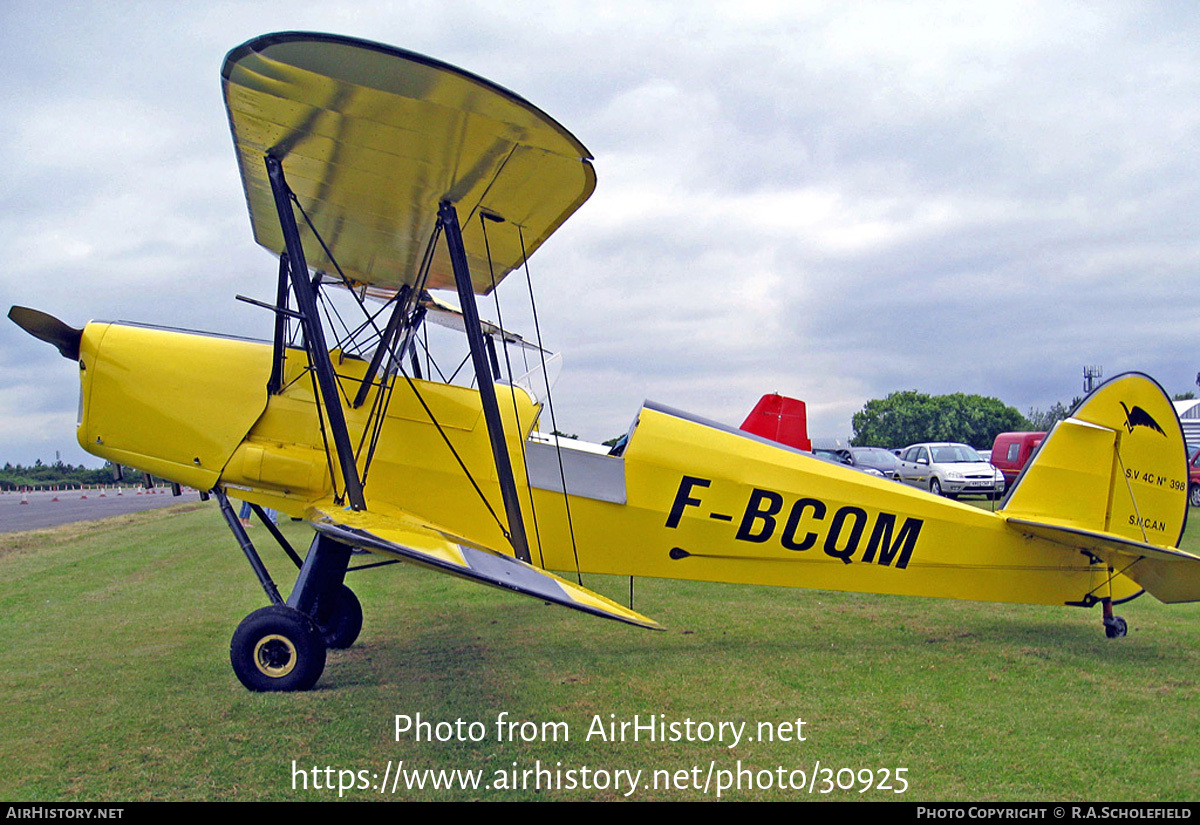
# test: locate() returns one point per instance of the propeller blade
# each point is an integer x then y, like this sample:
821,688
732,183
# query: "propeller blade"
49,329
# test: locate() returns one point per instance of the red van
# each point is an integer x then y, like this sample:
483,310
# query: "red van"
1194,479
1011,451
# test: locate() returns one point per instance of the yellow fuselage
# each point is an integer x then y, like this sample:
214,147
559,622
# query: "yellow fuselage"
686,499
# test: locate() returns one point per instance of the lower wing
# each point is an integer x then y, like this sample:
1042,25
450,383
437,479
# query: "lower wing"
413,540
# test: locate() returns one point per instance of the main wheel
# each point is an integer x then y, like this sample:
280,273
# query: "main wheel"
277,648
339,617
1115,627
1194,495
935,487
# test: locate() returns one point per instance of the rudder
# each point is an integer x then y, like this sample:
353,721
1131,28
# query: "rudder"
1118,465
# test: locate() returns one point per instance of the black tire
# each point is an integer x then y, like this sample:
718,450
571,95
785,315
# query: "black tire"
277,648
1115,627
935,487
339,617
1194,495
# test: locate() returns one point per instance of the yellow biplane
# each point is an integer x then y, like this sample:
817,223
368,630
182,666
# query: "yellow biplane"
386,174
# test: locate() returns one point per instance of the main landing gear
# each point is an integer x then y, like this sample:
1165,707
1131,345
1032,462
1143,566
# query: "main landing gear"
277,648
282,647
339,617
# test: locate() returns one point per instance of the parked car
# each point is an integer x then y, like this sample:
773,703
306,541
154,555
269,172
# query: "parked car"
843,457
1011,452
876,458
1194,479
949,469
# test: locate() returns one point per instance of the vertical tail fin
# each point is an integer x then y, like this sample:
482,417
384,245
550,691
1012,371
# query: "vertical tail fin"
781,419
1118,465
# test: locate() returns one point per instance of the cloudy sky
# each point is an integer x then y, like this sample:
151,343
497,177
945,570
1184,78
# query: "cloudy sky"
828,200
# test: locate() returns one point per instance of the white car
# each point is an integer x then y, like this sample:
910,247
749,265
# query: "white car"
948,469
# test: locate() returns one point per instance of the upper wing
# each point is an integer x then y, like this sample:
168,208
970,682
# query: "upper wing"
372,138
409,539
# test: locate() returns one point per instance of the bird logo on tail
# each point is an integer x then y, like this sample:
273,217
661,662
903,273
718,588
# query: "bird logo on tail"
1137,417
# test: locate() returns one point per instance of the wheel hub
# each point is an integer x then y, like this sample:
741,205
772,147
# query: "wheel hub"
275,656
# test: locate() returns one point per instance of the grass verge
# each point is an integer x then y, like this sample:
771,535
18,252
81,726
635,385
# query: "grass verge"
115,680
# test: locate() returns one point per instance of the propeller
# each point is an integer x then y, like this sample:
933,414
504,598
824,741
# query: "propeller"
49,329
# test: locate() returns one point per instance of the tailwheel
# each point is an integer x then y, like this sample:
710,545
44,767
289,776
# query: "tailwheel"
1115,627
339,617
277,648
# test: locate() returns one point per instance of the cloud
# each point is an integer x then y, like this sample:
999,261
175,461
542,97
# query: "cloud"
833,201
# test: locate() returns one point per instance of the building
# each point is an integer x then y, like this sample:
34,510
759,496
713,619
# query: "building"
1189,416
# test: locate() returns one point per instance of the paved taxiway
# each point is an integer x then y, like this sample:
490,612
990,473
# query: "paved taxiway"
41,510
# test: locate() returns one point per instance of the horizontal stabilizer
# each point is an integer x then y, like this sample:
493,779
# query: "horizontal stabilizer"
1170,575
418,542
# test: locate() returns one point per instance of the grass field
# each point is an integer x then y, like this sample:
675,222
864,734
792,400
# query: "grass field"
115,684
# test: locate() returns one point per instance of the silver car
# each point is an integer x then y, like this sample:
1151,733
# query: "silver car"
948,469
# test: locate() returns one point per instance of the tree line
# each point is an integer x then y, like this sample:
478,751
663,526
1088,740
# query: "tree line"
16,476
909,417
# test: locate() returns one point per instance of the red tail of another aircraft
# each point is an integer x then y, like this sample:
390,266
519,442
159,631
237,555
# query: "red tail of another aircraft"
781,419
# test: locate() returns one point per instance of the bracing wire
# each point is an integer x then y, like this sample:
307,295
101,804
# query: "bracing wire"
413,300
428,357
379,396
457,457
395,352
331,312
349,340
512,389
337,496
431,365
562,473
1112,575
327,306
329,255
1132,497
